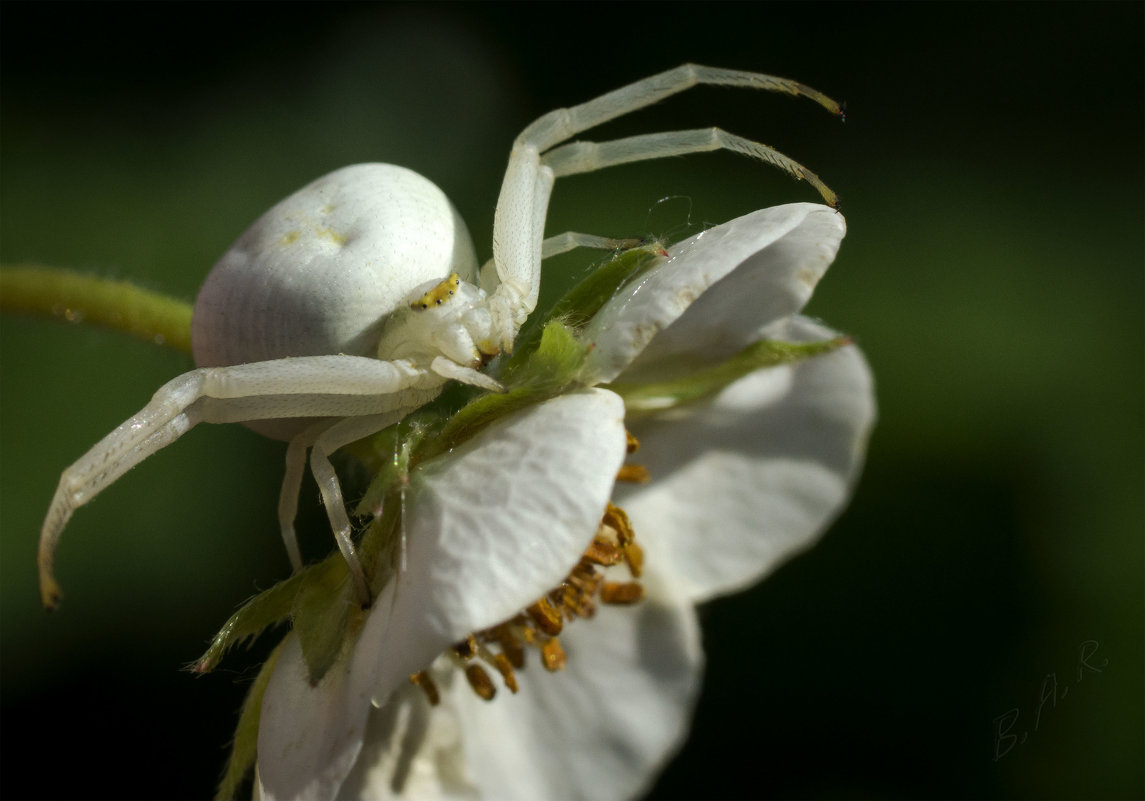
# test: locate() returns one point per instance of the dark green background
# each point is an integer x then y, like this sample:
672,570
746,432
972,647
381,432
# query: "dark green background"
991,173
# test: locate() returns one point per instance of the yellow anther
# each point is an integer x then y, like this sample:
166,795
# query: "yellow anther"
553,656
510,646
617,519
575,603
480,682
506,670
621,593
603,553
633,443
467,648
636,473
529,635
546,617
439,294
422,679
634,558
584,578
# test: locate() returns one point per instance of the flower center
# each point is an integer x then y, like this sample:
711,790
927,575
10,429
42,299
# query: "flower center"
502,647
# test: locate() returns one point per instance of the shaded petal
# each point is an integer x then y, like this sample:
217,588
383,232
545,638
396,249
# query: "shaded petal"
601,728
411,750
745,481
503,519
308,736
491,527
745,274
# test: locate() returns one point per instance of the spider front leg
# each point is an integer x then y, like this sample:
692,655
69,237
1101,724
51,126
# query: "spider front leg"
518,225
581,157
312,386
571,240
562,243
557,126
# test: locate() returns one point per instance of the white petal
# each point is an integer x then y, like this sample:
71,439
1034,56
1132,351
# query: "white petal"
744,274
744,482
601,728
411,750
492,527
503,519
309,737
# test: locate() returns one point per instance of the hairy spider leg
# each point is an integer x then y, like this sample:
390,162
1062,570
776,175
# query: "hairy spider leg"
523,201
309,386
582,157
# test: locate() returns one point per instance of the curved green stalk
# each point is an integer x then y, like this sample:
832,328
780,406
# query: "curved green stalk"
80,298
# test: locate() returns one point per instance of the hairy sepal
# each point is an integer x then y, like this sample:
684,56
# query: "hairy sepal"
577,306
656,396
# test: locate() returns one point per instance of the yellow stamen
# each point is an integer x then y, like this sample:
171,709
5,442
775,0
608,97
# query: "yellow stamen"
635,473
422,679
621,593
546,617
617,519
510,646
467,648
633,443
575,603
604,553
506,669
553,656
634,558
480,682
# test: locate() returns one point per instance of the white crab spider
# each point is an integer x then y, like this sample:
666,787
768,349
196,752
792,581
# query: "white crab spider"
354,300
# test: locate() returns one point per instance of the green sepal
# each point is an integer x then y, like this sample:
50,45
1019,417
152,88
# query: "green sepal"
320,604
326,615
380,541
244,746
264,610
586,298
387,455
703,384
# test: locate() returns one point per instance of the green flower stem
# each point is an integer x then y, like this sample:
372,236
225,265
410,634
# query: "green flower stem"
80,298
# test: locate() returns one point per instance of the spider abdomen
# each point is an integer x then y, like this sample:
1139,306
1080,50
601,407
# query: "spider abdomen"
320,272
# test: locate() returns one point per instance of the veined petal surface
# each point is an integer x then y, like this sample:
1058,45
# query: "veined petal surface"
714,293
755,475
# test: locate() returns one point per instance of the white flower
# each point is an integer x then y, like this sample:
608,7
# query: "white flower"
738,482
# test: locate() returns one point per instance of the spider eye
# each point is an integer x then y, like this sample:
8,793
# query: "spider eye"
439,294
